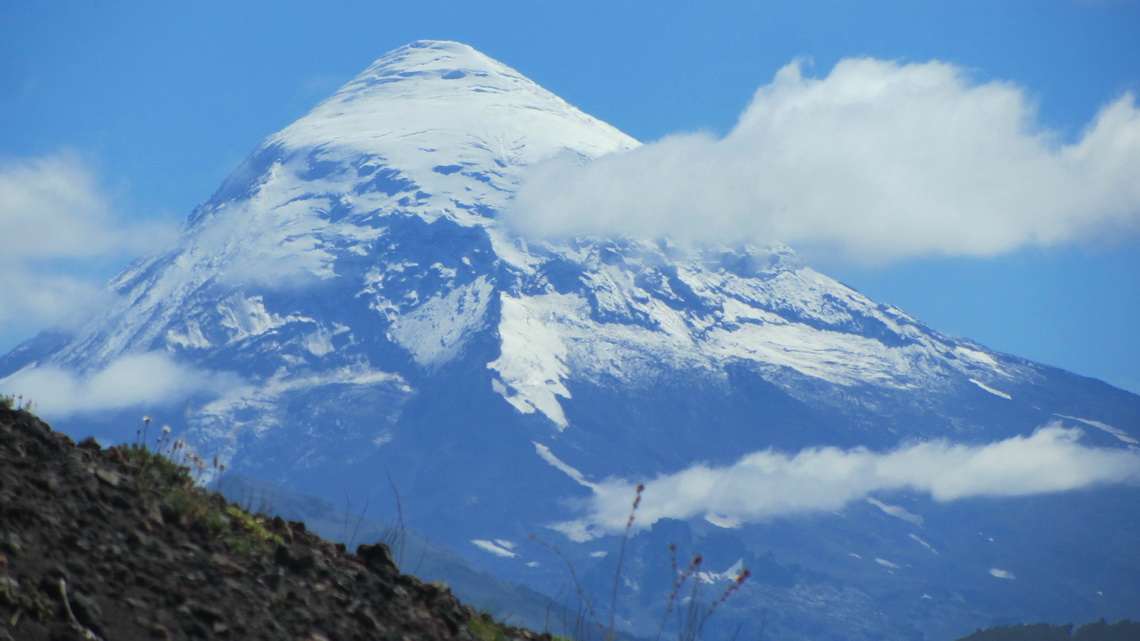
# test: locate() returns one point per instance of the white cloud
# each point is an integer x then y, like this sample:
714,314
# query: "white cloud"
878,161
30,298
59,226
765,485
135,380
53,206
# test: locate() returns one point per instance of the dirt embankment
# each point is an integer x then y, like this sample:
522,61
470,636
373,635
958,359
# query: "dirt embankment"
119,545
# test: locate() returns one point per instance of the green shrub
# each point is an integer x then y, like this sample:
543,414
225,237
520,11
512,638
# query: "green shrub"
253,525
486,628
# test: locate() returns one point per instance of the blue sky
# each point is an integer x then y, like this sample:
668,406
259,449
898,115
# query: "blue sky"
138,111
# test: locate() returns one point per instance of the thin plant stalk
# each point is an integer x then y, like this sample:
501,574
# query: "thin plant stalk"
621,557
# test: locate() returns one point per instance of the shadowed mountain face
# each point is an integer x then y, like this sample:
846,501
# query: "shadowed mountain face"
348,306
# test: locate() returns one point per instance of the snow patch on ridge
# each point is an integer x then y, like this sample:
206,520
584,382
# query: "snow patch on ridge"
190,337
495,548
923,543
731,574
437,329
991,390
549,457
896,511
887,564
722,521
532,365
319,342
836,357
1115,431
981,358
246,317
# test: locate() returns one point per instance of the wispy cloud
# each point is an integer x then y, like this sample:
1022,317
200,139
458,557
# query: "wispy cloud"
878,161
59,225
136,380
767,484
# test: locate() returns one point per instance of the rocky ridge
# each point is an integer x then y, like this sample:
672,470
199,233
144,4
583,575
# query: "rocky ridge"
120,544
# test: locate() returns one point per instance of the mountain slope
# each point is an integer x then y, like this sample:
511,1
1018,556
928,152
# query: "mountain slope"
114,544
348,306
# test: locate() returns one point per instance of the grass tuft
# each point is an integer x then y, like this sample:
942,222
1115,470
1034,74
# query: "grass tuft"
174,471
486,628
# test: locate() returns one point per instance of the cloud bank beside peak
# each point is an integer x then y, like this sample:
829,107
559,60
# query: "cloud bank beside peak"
878,161
59,226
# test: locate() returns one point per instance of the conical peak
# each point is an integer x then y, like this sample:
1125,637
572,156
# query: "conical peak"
437,70
435,93
430,59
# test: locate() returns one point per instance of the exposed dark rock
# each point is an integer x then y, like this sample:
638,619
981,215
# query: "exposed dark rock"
98,544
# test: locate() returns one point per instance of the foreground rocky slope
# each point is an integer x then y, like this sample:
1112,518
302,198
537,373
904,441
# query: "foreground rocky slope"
119,544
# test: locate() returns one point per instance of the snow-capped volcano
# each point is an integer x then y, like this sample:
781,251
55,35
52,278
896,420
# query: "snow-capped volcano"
349,305
439,116
443,101
432,130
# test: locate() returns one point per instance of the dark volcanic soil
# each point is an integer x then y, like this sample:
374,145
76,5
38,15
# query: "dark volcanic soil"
118,545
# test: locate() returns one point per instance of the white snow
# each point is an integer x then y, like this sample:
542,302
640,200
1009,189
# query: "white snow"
474,114
494,548
1115,431
436,330
887,564
512,250
532,365
723,521
731,574
191,336
247,317
976,356
923,543
896,511
319,342
991,390
844,359
549,457
577,531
